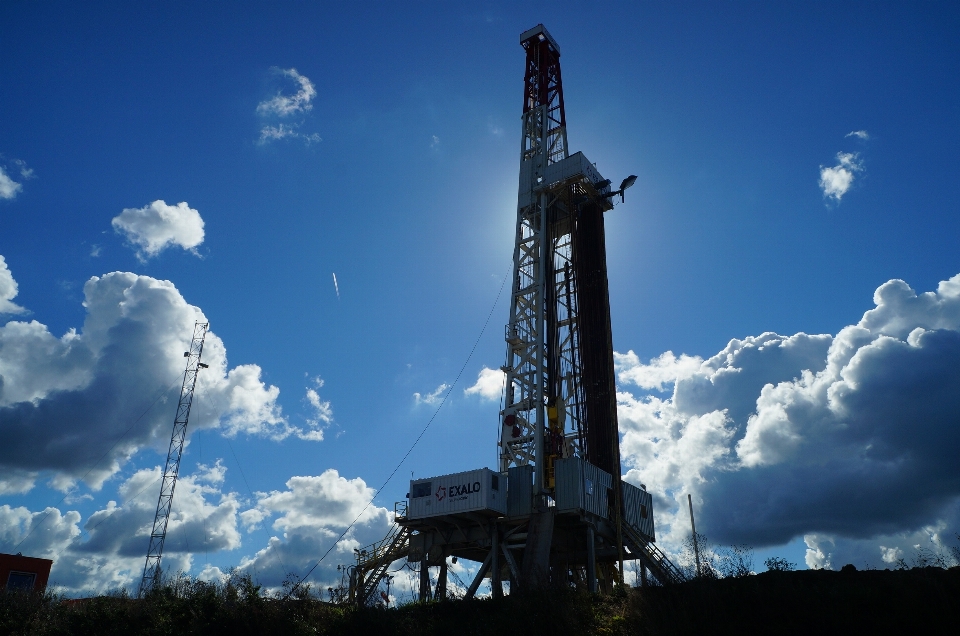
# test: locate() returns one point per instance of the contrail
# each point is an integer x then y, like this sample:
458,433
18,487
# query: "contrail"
335,286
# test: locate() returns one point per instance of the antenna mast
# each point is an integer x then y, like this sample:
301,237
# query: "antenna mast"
151,569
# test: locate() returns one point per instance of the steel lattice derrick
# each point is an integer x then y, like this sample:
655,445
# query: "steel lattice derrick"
543,88
564,337
524,334
532,340
168,483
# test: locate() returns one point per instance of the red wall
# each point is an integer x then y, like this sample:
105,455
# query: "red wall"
17,563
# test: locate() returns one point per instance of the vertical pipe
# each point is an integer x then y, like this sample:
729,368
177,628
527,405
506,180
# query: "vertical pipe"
591,561
545,252
693,528
424,579
441,593
496,587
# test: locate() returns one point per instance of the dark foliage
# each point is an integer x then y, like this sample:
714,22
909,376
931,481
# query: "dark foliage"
781,602
779,564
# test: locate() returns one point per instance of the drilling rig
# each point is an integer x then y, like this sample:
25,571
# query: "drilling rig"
556,511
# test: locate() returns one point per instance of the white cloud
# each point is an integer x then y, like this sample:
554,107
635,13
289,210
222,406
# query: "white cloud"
8,187
433,397
282,106
322,414
861,134
107,550
315,501
836,181
283,131
311,514
64,402
931,544
8,291
286,105
434,141
664,369
489,384
157,226
809,435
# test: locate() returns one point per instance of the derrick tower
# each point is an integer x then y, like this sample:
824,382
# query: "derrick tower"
555,511
560,394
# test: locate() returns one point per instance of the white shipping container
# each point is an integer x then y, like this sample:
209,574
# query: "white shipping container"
483,491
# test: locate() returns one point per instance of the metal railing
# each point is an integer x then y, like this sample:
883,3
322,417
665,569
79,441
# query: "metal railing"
373,561
662,568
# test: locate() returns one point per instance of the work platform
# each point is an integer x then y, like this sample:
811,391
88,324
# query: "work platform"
565,540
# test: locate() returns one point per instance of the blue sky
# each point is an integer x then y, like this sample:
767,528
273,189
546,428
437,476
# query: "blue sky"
791,159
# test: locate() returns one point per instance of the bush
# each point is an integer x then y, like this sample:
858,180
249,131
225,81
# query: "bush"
779,564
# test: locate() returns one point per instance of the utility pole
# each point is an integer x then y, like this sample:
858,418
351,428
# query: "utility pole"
151,569
693,528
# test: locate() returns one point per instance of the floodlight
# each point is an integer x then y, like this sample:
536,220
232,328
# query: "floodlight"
629,181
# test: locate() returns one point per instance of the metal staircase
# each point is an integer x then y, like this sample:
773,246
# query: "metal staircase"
373,561
658,564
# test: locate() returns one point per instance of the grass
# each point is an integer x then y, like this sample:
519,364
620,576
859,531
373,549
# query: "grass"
777,602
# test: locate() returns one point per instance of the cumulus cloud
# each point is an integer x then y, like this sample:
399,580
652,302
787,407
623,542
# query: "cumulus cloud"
66,402
106,551
282,106
835,181
489,384
431,398
848,439
664,369
8,290
8,187
157,226
311,514
860,134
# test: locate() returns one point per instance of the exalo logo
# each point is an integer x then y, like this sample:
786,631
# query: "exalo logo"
441,493
464,489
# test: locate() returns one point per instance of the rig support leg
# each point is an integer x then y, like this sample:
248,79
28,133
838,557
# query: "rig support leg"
591,561
478,579
424,579
496,586
441,593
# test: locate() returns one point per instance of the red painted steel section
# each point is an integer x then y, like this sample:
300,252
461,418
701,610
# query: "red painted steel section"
543,85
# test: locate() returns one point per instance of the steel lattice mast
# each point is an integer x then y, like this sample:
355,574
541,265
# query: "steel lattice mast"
543,142
559,362
151,569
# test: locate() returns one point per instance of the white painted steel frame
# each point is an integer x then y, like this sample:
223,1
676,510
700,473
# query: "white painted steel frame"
537,244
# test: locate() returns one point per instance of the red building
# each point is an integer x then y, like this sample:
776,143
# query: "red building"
18,572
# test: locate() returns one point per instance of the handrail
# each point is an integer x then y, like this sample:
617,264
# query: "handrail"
376,558
665,570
